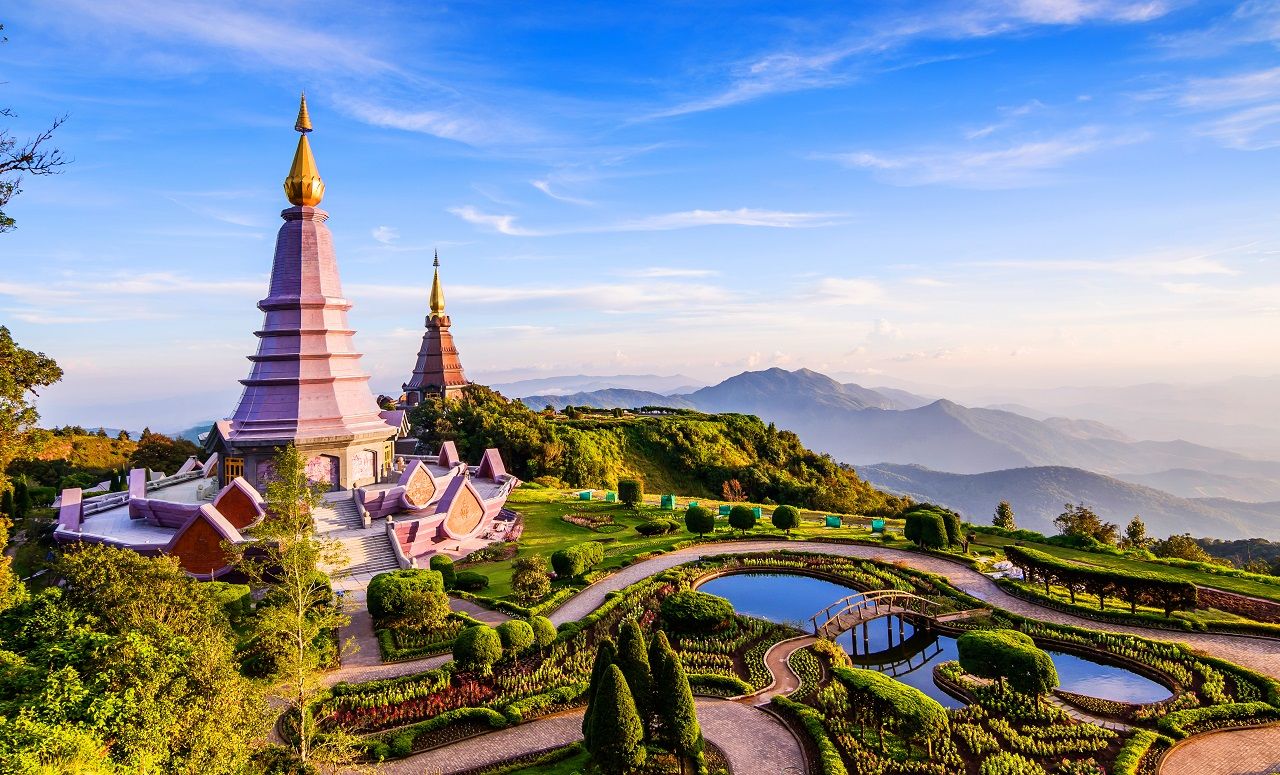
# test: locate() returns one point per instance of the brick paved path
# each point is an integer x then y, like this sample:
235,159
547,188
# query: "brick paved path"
1238,752
754,742
785,680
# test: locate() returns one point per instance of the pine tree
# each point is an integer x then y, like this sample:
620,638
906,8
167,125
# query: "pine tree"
605,653
21,501
658,646
634,662
616,743
1004,517
678,716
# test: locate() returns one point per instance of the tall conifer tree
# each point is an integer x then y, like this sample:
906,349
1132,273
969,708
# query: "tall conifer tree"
617,736
605,652
633,659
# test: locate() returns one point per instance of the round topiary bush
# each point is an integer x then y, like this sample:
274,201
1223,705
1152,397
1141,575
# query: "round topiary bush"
630,492
742,517
927,528
785,518
657,527
477,648
1008,654
692,610
516,636
544,631
470,581
699,520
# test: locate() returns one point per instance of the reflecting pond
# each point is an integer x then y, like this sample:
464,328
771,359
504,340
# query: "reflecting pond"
892,645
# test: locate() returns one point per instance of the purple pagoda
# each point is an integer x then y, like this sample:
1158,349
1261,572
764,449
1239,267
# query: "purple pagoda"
305,386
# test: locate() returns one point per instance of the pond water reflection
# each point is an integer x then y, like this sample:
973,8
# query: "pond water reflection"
894,647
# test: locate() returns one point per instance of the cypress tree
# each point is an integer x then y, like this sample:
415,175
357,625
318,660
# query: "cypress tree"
678,716
605,653
21,501
617,738
6,503
634,662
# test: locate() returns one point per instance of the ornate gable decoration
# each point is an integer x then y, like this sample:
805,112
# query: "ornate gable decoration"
463,508
419,485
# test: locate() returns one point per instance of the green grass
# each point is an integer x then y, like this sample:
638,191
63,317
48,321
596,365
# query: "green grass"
1198,577
545,531
574,765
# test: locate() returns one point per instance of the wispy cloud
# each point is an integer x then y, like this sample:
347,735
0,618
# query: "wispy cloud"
387,235
871,46
687,219
1247,106
545,187
668,271
1013,166
1154,265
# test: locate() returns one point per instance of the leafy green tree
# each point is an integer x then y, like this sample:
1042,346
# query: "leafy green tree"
399,598
1135,534
478,647
786,518
617,736
157,452
699,520
630,492
743,518
633,659
529,579
606,651
1080,521
1004,516
677,715
285,556
131,660
1008,655
22,374
1181,547
695,611
544,631
516,636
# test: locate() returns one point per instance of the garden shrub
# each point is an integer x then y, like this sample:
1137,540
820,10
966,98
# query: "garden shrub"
692,610
785,518
657,527
715,683
742,518
236,600
516,636
1008,654
878,699
1133,587
477,647
544,631
926,528
630,492
573,561
470,581
388,592
443,564
1183,723
829,759
699,520
1130,755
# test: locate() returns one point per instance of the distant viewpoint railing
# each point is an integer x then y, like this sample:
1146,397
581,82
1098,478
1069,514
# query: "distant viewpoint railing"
100,503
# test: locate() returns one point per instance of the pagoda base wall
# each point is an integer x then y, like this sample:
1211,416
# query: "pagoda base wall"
344,465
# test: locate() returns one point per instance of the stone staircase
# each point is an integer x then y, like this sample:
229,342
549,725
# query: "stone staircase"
368,549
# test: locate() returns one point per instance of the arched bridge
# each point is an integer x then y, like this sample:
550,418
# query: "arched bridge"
851,611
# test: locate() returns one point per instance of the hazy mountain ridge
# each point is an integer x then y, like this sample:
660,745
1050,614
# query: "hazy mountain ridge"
1038,494
609,398
584,383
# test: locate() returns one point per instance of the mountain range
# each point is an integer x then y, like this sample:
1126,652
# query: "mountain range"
883,428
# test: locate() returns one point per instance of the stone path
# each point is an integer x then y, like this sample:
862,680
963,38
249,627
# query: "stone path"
1230,752
776,659
754,742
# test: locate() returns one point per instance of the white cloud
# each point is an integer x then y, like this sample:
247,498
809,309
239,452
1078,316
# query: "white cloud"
386,234
1203,93
926,282
1156,265
848,291
438,123
545,187
669,271
1014,166
1252,129
743,216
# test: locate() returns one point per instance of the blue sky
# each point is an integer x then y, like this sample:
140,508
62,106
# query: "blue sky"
1022,193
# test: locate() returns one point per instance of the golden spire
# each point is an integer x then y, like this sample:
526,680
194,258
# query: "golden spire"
303,186
437,292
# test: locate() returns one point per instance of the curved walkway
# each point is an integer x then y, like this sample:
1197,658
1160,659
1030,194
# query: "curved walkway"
777,660
1229,752
754,742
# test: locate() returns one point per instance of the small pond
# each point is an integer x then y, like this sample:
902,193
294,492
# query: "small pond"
892,646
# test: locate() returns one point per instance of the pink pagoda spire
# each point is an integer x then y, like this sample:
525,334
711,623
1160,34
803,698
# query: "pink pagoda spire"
305,385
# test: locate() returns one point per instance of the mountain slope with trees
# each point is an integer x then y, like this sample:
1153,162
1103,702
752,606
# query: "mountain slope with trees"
684,451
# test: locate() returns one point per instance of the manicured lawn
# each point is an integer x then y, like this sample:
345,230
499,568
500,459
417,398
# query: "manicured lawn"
574,765
1201,578
545,531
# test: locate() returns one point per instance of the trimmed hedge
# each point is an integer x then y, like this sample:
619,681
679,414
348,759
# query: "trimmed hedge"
1131,586
657,527
829,761
630,492
911,708
522,709
470,581
1008,654
1179,723
718,684
444,564
1130,755
401,742
926,528
691,610
573,561
387,591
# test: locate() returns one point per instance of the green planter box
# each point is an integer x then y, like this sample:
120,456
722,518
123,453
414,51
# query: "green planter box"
834,522
585,495
611,497
877,526
669,502
725,509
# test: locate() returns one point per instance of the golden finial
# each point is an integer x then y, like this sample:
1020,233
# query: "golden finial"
304,187
437,291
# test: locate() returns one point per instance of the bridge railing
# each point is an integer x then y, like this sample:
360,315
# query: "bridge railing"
890,598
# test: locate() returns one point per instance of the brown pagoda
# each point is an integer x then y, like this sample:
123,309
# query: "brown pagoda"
438,371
